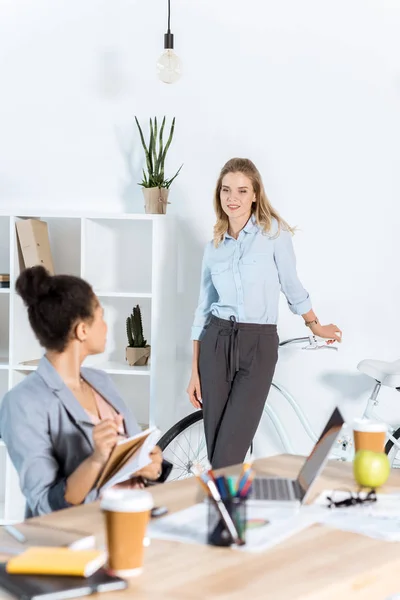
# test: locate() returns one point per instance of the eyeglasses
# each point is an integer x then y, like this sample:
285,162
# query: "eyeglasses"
343,498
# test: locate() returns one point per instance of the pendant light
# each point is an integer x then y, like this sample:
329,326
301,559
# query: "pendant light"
169,65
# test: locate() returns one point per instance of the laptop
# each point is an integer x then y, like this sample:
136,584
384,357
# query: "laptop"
275,489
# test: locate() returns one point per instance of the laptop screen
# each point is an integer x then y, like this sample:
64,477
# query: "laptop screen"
319,455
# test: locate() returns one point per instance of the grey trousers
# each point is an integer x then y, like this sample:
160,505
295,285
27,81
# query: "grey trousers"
236,365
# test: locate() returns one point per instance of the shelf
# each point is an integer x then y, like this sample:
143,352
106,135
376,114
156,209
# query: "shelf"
117,255
135,393
102,294
111,366
128,259
48,214
119,368
65,233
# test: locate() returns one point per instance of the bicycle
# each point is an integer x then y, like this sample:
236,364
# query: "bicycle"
385,374
184,443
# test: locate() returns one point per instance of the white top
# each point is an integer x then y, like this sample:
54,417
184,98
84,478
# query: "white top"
368,425
122,500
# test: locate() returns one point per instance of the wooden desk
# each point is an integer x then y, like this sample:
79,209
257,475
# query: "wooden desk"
317,564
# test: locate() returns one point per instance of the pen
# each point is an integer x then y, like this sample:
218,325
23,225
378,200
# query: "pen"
246,487
243,480
91,424
231,486
17,535
222,487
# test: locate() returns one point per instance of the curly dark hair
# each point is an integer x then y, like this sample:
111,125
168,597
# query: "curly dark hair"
55,303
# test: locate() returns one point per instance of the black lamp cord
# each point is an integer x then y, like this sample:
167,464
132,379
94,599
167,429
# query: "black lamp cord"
169,37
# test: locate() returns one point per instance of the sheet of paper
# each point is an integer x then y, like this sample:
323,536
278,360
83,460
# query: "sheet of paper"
266,526
139,460
42,534
378,520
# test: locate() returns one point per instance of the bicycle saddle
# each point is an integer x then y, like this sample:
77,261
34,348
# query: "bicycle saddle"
387,373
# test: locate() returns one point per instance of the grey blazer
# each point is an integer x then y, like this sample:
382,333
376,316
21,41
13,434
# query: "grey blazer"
48,433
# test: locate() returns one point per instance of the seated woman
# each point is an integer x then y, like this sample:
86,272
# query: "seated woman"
61,422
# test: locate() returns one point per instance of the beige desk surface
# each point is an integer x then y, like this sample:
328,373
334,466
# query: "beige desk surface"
317,564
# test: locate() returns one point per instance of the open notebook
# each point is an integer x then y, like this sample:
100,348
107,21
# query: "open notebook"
128,457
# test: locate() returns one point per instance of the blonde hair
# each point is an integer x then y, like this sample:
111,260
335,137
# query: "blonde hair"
261,208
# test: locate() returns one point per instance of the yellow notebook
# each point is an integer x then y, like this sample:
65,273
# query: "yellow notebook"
46,560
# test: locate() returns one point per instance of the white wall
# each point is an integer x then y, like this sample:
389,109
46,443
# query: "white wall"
309,90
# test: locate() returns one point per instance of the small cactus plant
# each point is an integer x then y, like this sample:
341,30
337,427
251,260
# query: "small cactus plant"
134,329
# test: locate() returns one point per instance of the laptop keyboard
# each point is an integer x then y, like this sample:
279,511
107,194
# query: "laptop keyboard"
264,488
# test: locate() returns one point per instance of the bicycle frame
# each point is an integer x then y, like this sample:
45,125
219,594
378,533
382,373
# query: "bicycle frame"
369,413
270,412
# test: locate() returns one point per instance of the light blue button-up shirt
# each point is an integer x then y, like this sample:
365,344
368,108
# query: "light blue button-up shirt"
244,277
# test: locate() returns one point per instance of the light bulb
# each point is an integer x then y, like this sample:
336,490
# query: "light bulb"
169,66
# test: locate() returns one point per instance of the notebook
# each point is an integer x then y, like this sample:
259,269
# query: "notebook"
48,587
39,560
128,456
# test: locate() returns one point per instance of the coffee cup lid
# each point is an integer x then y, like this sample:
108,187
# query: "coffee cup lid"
120,500
369,425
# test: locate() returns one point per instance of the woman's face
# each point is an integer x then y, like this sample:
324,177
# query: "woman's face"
96,332
237,195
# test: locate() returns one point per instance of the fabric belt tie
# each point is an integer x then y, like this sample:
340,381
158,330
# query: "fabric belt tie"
234,345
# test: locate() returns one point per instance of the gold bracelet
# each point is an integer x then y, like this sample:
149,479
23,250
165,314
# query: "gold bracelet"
310,323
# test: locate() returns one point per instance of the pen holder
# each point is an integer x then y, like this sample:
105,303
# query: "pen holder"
217,533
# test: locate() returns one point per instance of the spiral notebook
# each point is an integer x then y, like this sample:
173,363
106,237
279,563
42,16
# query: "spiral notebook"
128,456
49,587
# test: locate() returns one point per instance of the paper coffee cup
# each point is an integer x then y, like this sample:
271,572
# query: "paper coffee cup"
127,513
369,435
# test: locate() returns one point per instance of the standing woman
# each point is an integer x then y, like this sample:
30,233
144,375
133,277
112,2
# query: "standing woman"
235,340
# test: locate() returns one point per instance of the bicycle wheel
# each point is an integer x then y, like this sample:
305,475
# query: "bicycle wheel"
392,451
184,445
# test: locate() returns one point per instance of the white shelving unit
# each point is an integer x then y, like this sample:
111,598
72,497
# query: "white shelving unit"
128,259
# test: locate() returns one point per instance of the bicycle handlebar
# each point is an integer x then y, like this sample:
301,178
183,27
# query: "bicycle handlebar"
295,340
312,343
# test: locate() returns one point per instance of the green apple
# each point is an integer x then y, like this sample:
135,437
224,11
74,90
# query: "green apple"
371,469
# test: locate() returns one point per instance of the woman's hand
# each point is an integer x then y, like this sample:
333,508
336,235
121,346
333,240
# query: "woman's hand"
135,483
330,332
153,470
194,390
105,435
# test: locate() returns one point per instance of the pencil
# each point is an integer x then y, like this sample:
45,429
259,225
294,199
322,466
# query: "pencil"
196,471
17,535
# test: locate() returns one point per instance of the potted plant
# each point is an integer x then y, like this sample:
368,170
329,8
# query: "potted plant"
137,351
155,185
